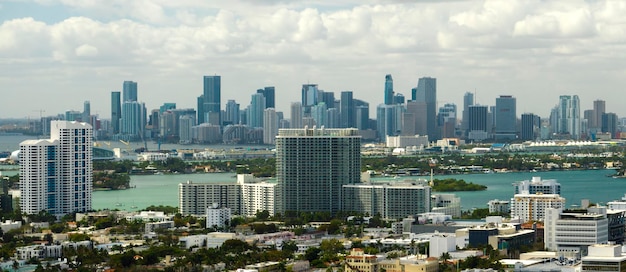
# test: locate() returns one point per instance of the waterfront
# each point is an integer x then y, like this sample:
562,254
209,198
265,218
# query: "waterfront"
575,186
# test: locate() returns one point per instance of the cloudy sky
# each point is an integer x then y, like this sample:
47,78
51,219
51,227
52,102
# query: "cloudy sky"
55,54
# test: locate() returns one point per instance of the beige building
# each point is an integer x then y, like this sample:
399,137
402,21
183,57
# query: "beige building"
358,261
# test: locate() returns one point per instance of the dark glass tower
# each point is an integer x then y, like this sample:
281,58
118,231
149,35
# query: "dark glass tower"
388,90
209,104
130,91
347,110
116,112
270,96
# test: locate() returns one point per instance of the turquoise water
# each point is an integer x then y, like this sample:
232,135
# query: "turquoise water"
152,190
575,186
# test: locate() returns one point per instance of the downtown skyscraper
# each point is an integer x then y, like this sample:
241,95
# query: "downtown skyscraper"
56,174
568,116
209,103
426,92
506,118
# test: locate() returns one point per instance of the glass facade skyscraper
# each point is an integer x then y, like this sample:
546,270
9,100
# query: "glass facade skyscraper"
506,117
209,104
426,92
116,112
388,90
129,91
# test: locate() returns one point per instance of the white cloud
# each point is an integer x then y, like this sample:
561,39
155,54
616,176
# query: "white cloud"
348,45
86,50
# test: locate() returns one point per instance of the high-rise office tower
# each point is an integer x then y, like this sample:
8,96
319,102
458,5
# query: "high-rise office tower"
328,98
166,107
133,120
599,108
209,103
446,120
310,97
56,173
398,98
87,112
255,111
426,92
332,118
388,120
347,110
568,119
116,112
468,100
296,115
312,165
318,113
388,90
129,91
231,115
269,94
506,117
414,119
361,114
185,124
478,118
270,126
610,123
528,127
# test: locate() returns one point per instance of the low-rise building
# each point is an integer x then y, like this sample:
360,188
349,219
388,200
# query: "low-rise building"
571,232
605,257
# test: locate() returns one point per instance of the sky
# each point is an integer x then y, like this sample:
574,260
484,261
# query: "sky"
56,54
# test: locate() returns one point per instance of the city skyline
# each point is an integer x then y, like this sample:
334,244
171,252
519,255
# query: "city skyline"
64,52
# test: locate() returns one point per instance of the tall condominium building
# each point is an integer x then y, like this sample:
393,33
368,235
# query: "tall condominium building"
312,165
318,113
389,120
209,103
133,119
533,207
347,110
129,91
568,116
505,118
270,126
116,112
446,120
231,115
392,201
56,174
426,92
478,123
388,90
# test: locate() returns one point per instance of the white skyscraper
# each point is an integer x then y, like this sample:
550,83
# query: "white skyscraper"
56,174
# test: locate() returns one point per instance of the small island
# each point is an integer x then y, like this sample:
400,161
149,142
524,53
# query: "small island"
455,185
108,180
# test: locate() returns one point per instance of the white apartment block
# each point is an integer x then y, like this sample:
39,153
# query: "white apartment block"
217,217
390,200
573,232
247,196
537,185
604,258
499,206
257,197
195,198
448,204
56,174
617,204
529,207
405,141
